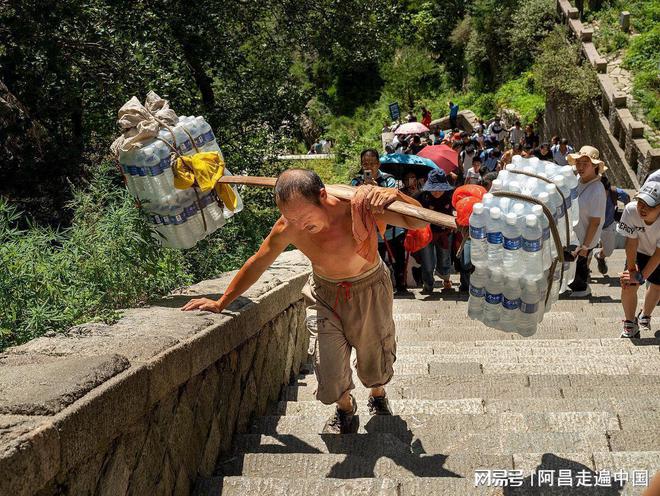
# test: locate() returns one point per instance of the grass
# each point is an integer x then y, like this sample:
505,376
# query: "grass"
107,260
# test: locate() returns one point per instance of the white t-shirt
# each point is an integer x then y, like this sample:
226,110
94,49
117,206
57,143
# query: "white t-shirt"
516,134
472,177
632,226
592,201
467,161
558,156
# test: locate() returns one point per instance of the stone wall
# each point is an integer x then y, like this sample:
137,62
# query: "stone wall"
585,126
145,406
610,123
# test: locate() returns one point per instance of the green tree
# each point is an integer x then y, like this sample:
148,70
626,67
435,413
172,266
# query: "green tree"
412,74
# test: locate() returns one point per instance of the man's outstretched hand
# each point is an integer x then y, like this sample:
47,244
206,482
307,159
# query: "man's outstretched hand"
379,198
206,304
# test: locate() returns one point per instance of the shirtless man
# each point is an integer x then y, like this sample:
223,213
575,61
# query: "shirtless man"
349,298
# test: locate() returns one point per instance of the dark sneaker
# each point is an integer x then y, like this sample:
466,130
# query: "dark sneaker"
630,329
644,322
427,289
602,265
379,405
342,422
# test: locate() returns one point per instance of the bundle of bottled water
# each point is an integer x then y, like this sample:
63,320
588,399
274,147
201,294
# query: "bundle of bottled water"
512,249
180,217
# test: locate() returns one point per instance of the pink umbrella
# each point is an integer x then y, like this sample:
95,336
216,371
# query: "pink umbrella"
412,128
443,156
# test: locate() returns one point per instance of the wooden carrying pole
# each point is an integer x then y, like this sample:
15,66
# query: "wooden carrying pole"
344,192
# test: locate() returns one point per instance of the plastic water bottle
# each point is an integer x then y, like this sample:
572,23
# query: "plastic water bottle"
478,244
512,242
564,209
488,201
510,303
571,181
531,261
517,162
494,238
529,306
493,299
496,185
545,199
208,138
546,239
477,293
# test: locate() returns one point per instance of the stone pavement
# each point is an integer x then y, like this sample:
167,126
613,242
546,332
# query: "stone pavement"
573,397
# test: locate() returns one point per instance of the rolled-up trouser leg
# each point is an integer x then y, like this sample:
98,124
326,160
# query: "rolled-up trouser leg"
330,349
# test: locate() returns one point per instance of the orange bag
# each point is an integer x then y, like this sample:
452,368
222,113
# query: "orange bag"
464,210
466,191
416,239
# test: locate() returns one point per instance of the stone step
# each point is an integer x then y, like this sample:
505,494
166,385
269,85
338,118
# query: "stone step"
635,440
465,333
406,426
572,367
486,356
498,386
648,345
372,444
614,405
294,393
348,466
269,486
479,405
400,407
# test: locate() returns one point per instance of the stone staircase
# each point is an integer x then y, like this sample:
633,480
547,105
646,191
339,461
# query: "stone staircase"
572,397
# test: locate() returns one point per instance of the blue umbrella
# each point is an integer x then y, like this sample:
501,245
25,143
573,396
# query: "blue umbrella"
398,164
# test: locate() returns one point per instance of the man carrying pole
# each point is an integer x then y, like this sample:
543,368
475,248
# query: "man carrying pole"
349,293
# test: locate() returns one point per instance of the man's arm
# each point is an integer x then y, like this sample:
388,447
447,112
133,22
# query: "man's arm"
589,235
381,197
274,244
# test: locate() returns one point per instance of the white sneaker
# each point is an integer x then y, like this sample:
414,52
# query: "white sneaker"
630,329
580,294
644,322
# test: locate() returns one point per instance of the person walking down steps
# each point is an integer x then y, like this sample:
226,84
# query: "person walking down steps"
349,293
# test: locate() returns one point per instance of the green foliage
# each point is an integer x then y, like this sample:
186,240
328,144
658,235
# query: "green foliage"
106,260
643,59
412,74
519,94
641,52
559,75
532,21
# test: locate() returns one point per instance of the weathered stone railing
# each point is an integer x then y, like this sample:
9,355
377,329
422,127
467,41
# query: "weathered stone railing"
146,405
628,144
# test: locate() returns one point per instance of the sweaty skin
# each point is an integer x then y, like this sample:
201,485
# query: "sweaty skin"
322,232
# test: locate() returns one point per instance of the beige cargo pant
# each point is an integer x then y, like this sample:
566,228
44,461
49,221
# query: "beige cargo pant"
354,313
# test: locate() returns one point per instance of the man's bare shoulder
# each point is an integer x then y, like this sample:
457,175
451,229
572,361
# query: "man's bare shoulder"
282,229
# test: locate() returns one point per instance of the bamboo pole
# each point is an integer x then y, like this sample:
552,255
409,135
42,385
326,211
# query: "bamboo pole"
345,192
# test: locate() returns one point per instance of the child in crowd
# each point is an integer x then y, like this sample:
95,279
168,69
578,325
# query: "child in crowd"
640,225
473,175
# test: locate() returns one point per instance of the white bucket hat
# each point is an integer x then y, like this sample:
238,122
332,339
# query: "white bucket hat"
592,153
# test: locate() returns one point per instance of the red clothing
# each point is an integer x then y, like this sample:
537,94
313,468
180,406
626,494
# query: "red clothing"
364,225
426,119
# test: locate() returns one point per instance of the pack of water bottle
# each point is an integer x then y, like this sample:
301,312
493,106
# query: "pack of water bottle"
180,217
512,249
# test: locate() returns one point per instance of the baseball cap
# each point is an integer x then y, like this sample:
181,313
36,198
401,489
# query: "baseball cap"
650,194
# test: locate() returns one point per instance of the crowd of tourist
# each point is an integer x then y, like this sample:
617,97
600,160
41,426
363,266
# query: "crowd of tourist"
482,153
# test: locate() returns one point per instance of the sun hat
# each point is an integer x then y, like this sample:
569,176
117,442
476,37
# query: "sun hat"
437,181
650,194
592,153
